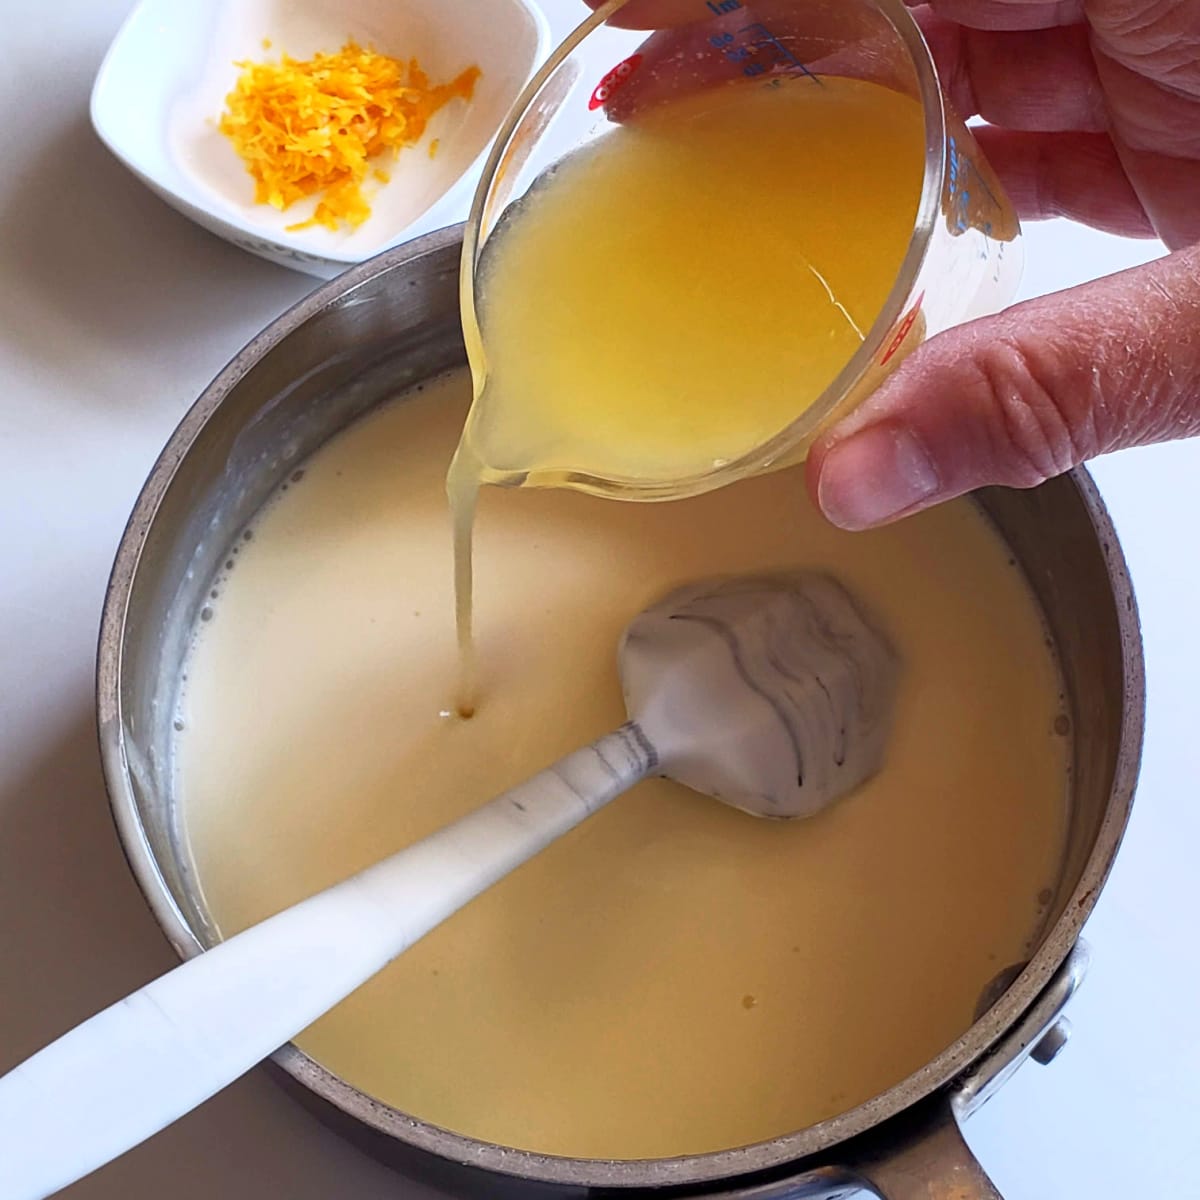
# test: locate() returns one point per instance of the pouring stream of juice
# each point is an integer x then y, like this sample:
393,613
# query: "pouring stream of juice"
676,293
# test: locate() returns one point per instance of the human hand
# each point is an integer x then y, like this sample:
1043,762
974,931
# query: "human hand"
1094,114
1094,111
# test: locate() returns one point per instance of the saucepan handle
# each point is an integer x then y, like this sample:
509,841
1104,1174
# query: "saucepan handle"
922,1157
920,1154
927,1159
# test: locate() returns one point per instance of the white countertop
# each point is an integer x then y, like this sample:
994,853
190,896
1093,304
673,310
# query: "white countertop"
114,313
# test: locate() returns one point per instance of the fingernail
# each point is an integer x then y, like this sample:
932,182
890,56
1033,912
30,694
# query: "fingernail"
875,476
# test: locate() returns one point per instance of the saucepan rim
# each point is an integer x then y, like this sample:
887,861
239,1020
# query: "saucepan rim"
694,1169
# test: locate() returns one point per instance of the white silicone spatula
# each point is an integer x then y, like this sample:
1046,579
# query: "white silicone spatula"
772,694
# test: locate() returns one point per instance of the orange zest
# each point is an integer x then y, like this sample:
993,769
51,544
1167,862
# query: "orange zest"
313,126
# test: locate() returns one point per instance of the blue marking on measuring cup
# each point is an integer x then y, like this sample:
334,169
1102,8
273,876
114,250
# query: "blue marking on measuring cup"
754,47
963,172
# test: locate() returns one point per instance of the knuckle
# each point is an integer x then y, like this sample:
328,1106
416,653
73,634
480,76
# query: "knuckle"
1035,434
1147,33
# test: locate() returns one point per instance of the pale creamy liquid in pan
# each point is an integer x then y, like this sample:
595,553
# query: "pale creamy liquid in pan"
673,976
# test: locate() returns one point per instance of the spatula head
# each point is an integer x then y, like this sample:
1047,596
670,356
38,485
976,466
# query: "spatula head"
772,693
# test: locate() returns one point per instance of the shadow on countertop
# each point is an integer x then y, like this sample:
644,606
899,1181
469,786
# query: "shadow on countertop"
92,260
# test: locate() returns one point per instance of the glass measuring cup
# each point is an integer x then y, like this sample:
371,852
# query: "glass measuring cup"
962,258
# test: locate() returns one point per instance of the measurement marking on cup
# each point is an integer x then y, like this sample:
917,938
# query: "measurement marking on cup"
756,49
766,40
963,173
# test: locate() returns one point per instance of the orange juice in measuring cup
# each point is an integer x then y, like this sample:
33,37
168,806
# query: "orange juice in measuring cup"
700,240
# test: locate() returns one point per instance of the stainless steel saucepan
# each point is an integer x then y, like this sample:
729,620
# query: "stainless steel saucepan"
355,342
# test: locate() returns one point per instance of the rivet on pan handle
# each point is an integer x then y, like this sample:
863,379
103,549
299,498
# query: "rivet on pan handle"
1039,1034
928,1158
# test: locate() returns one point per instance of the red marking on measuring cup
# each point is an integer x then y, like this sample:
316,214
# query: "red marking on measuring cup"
902,330
613,81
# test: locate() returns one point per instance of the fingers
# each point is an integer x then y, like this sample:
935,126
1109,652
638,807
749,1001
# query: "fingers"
1075,175
1020,397
979,14
758,40
1128,164
653,14
1151,114
1168,189
1011,14
1036,81
1156,128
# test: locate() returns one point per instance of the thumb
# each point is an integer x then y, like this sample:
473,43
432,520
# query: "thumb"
1019,397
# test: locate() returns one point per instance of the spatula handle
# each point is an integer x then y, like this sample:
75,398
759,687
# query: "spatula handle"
135,1067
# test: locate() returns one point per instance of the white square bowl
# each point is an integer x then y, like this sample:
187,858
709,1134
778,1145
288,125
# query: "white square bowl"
161,90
